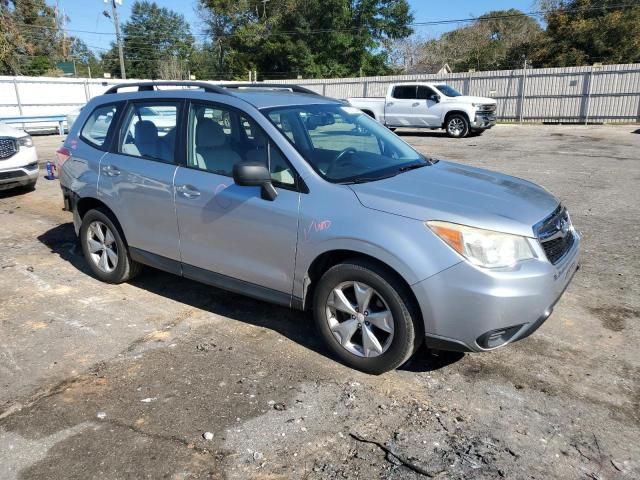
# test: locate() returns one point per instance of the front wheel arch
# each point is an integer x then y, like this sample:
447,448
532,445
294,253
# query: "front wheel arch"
407,327
328,259
462,114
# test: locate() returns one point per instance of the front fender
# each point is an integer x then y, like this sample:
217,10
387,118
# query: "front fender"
402,243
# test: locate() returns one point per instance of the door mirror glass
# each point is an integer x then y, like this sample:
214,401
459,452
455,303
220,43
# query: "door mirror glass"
254,174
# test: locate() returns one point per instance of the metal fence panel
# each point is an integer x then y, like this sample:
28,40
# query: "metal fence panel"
609,93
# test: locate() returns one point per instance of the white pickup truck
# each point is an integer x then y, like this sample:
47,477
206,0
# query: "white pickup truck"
430,105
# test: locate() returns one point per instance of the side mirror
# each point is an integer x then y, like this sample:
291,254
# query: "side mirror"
435,98
252,174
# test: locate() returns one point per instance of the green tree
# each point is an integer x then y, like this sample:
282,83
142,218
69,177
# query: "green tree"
30,41
304,37
496,40
87,64
157,44
582,32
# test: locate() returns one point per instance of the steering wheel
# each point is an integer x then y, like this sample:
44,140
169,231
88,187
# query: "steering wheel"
339,157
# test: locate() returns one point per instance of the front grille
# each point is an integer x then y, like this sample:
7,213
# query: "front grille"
12,174
490,108
556,234
555,249
7,148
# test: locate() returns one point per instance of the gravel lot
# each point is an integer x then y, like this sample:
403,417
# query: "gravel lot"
123,381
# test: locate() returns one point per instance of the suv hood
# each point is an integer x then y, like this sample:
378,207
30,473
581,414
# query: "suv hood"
469,99
7,131
460,194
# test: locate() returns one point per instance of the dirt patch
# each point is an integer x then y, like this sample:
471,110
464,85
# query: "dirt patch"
614,318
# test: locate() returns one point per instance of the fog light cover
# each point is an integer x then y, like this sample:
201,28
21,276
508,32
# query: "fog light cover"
495,338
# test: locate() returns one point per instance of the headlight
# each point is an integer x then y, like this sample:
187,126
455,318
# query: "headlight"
484,248
25,141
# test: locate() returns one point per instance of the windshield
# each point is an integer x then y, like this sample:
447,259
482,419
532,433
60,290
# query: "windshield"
343,144
448,91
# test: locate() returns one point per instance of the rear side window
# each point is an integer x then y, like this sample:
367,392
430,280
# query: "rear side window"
404,92
149,131
97,126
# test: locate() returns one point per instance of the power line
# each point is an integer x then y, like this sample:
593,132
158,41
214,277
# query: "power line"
532,14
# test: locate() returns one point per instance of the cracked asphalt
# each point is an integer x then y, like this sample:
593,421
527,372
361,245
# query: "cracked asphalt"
121,382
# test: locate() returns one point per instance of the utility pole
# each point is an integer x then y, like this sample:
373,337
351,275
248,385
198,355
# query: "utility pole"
61,23
116,21
264,7
522,92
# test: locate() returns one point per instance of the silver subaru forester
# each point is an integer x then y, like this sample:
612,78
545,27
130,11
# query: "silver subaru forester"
300,200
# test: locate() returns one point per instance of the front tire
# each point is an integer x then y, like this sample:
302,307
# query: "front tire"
457,126
365,316
104,248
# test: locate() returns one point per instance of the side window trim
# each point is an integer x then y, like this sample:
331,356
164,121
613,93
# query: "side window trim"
117,135
108,140
298,186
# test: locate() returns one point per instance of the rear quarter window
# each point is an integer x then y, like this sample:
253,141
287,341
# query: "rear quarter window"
97,126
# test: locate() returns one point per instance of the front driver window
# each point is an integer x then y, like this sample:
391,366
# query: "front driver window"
219,138
343,144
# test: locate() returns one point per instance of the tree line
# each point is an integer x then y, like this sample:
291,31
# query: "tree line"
319,38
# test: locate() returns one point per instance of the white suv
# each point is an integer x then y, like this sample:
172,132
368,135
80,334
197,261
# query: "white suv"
18,159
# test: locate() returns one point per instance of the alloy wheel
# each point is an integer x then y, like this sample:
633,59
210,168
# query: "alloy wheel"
360,319
102,247
456,127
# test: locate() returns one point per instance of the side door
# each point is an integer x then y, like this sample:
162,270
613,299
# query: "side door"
229,235
136,177
399,109
430,110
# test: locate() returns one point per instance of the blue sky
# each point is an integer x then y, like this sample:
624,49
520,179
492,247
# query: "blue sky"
86,15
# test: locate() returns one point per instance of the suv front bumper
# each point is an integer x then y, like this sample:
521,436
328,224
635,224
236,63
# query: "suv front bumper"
466,308
483,121
19,177
20,169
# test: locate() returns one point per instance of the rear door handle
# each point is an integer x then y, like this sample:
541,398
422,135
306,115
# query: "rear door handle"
188,191
111,171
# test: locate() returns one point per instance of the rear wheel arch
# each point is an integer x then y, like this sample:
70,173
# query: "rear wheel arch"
370,113
85,204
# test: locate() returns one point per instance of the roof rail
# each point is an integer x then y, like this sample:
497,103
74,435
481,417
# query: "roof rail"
150,86
268,86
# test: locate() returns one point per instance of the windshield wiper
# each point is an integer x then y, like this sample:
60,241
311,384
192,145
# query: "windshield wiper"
412,167
366,179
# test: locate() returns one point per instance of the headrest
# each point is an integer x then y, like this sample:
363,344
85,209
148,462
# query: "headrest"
146,132
209,134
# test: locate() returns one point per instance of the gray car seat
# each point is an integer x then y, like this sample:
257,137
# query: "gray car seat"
148,143
212,150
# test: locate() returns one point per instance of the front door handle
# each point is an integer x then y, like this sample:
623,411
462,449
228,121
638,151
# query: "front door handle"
188,191
111,171
416,104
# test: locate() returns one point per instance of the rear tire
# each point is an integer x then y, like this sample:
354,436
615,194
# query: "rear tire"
104,248
377,329
457,125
